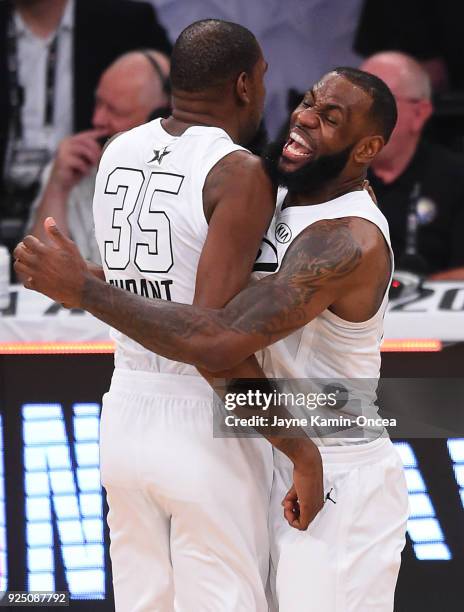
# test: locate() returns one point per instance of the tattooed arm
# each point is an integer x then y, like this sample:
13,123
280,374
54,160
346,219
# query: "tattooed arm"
326,263
332,263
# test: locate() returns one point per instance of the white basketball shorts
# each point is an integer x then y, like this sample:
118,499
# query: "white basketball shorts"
188,513
348,560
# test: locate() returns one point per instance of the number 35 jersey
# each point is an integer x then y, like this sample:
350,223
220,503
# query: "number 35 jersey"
149,220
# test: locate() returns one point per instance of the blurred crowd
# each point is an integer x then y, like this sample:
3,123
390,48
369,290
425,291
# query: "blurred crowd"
76,72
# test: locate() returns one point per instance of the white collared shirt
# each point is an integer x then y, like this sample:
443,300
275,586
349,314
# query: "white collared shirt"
32,60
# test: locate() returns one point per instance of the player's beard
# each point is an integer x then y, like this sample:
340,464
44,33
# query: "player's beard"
310,177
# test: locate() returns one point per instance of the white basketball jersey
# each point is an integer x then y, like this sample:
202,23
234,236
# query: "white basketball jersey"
149,220
328,348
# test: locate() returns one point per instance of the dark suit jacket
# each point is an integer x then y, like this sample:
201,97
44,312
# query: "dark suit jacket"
103,30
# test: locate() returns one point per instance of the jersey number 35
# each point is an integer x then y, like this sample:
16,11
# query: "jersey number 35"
133,200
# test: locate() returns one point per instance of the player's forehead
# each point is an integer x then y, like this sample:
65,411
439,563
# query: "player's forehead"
334,89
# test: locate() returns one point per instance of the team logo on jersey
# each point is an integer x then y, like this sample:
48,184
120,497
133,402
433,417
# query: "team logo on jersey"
283,233
158,156
267,259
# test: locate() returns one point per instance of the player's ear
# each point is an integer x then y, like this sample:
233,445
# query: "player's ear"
242,88
367,148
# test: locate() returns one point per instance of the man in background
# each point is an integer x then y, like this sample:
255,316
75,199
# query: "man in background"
52,54
419,185
132,89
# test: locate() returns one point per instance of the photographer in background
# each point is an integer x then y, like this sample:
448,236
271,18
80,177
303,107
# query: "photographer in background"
52,53
419,186
132,90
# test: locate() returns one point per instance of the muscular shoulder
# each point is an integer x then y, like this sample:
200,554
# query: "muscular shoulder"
240,165
240,175
334,249
366,234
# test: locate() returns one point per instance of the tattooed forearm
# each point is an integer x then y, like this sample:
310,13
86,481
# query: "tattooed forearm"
166,328
321,256
260,315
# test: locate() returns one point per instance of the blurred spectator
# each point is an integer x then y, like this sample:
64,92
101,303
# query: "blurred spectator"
429,31
419,186
52,53
301,39
132,90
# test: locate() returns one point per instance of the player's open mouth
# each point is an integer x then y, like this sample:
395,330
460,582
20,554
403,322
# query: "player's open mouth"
296,148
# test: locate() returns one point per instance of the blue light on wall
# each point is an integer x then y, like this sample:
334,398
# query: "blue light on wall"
63,500
456,451
423,526
63,494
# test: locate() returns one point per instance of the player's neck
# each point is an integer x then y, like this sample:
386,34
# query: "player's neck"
328,192
42,17
188,112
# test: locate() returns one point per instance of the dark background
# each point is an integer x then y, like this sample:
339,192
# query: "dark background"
66,379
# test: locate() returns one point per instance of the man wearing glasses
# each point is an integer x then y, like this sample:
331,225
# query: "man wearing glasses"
419,185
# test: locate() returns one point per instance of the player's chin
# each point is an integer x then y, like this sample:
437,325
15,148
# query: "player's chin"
287,166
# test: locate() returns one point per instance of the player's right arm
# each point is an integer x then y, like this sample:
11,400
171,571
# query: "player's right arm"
239,203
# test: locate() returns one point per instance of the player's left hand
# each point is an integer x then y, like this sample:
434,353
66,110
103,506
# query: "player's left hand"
56,270
306,497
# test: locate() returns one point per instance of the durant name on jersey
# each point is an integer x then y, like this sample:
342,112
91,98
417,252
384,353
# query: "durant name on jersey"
145,287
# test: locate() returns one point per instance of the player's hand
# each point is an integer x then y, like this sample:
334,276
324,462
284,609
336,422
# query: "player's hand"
306,497
75,158
56,270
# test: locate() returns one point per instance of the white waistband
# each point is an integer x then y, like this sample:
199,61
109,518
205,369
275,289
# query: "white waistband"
154,383
358,454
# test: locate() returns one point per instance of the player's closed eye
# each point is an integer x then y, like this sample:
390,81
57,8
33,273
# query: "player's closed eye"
331,120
